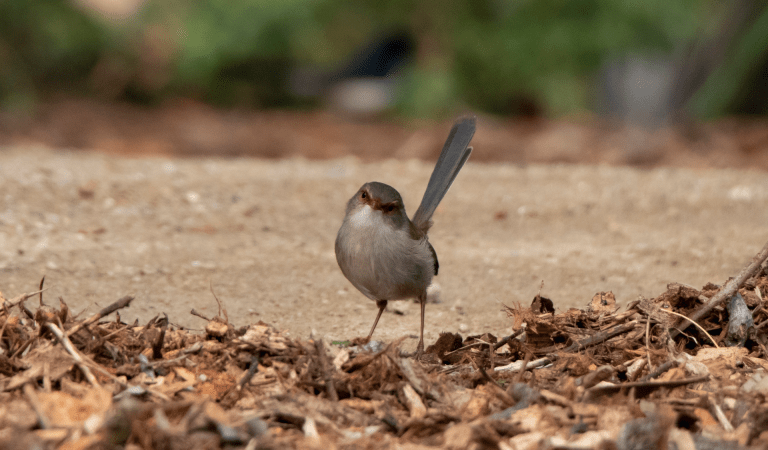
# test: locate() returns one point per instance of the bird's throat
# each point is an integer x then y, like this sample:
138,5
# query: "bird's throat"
365,217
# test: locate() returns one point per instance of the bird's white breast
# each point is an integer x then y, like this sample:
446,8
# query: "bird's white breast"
383,261
369,227
363,217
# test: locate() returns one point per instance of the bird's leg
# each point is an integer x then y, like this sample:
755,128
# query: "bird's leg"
420,346
382,304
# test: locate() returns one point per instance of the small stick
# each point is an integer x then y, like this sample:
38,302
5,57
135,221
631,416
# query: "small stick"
167,362
648,341
120,304
329,386
107,336
466,347
659,370
245,378
501,343
636,368
721,416
42,281
226,317
29,313
361,361
16,300
648,384
249,374
195,313
31,395
601,337
2,331
23,347
67,344
157,347
727,291
555,398
517,365
594,377
526,360
491,351
63,311
502,393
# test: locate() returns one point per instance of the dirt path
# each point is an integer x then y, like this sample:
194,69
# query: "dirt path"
101,227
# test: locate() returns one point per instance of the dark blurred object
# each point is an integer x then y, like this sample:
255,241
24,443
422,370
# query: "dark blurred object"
364,85
722,74
752,96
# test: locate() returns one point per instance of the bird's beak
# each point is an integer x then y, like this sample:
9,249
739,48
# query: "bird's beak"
374,203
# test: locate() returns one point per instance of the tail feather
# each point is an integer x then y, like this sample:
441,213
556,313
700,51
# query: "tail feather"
455,153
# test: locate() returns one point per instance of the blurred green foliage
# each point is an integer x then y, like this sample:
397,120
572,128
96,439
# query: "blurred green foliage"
548,49
485,54
729,89
44,43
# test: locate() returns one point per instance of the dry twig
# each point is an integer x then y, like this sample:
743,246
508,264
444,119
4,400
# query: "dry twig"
499,390
20,298
727,291
660,370
120,304
601,337
322,356
67,344
501,343
34,402
603,388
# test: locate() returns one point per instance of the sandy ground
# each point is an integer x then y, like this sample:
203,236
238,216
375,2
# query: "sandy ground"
262,231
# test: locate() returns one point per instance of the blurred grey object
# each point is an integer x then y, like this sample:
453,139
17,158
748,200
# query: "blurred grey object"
638,90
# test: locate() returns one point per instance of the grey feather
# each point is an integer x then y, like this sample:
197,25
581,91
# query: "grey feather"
455,153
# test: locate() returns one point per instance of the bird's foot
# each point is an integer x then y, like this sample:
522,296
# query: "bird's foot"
360,341
420,355
425,358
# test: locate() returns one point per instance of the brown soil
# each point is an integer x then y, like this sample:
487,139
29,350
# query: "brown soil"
100,225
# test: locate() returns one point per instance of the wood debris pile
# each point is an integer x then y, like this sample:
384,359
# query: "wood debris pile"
594,378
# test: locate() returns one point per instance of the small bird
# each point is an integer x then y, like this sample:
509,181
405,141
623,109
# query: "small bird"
387,256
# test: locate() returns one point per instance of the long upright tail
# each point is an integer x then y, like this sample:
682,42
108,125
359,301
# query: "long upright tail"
455,153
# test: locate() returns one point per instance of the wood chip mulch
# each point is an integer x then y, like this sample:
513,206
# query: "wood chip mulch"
599,378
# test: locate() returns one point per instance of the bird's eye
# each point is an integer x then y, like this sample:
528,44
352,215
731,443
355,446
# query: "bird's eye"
363,195
389,208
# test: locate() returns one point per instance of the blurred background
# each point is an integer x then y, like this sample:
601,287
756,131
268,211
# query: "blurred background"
615,81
